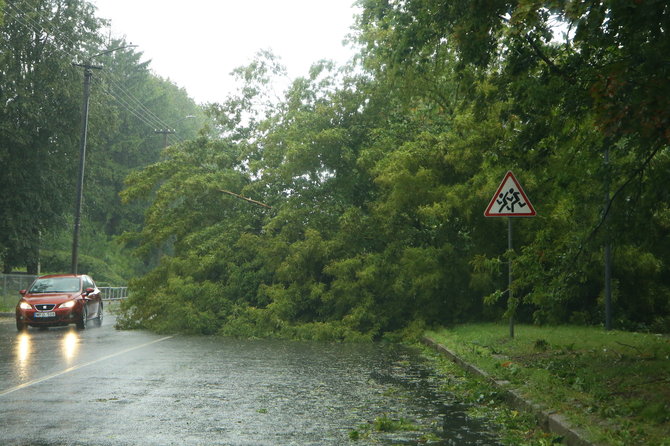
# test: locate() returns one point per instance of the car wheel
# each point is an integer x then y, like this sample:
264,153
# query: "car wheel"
98,320
83,322
21,326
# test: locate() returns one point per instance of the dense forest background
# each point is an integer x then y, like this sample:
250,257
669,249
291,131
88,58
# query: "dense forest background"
366,184
41,92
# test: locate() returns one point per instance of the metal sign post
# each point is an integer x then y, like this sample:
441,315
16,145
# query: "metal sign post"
510,299
510,201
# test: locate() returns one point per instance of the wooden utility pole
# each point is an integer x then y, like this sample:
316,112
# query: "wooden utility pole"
88,73
165,133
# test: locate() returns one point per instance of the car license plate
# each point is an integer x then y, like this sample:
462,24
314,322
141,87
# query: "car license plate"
46,314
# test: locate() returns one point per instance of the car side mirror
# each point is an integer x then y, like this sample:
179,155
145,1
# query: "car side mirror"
23,292
89,291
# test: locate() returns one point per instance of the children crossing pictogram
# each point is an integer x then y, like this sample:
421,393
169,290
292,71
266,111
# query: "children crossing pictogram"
510,200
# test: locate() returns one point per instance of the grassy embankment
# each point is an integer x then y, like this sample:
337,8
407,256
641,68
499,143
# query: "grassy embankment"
7,305
613,385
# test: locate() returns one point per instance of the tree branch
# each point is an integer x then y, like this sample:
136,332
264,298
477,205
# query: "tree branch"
620,189
245,198
550,63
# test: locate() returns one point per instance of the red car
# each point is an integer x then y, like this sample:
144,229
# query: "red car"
58,300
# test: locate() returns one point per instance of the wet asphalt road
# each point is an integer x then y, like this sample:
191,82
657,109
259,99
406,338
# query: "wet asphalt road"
107,387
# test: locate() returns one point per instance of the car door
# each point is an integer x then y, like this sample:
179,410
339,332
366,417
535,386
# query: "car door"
92,300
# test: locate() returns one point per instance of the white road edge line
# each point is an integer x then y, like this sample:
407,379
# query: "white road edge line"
79,366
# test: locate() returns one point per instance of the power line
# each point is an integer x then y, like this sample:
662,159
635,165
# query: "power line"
131,108
125,99
113,80
29,23
149,122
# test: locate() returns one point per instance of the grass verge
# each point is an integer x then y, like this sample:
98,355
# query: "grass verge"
613,385
486,402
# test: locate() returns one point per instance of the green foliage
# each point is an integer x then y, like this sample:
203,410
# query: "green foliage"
386,424
604,380
123,139
250,322
39,93
60,261
374,178
101,256
40,116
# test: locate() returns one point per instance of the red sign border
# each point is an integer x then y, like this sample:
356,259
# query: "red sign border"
531,210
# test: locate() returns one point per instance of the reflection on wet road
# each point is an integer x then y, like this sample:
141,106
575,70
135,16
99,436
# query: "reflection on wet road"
69,346
22,354
31,350
108,387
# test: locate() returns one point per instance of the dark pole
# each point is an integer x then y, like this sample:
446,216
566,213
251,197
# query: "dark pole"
511,306
82,162
82,152
165,133
608,245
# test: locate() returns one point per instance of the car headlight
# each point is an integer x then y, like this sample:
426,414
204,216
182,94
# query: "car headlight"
68,304
25,306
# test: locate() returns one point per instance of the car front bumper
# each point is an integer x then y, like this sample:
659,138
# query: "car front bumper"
58,316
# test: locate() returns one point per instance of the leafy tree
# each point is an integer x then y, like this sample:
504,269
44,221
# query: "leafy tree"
375,178
560,103
41,95
40,103
129,106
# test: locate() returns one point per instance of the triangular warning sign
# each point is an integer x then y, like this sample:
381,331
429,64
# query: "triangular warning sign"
510,200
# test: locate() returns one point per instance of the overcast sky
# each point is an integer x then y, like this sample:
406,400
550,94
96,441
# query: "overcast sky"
197,43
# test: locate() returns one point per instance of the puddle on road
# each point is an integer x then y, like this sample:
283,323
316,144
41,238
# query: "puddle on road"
442,420
325,394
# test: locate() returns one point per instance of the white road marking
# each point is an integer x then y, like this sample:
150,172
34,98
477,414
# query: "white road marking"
78,366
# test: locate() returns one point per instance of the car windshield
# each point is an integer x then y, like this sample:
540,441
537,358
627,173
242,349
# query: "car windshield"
55,285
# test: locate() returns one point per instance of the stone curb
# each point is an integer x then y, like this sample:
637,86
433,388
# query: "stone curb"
549,421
